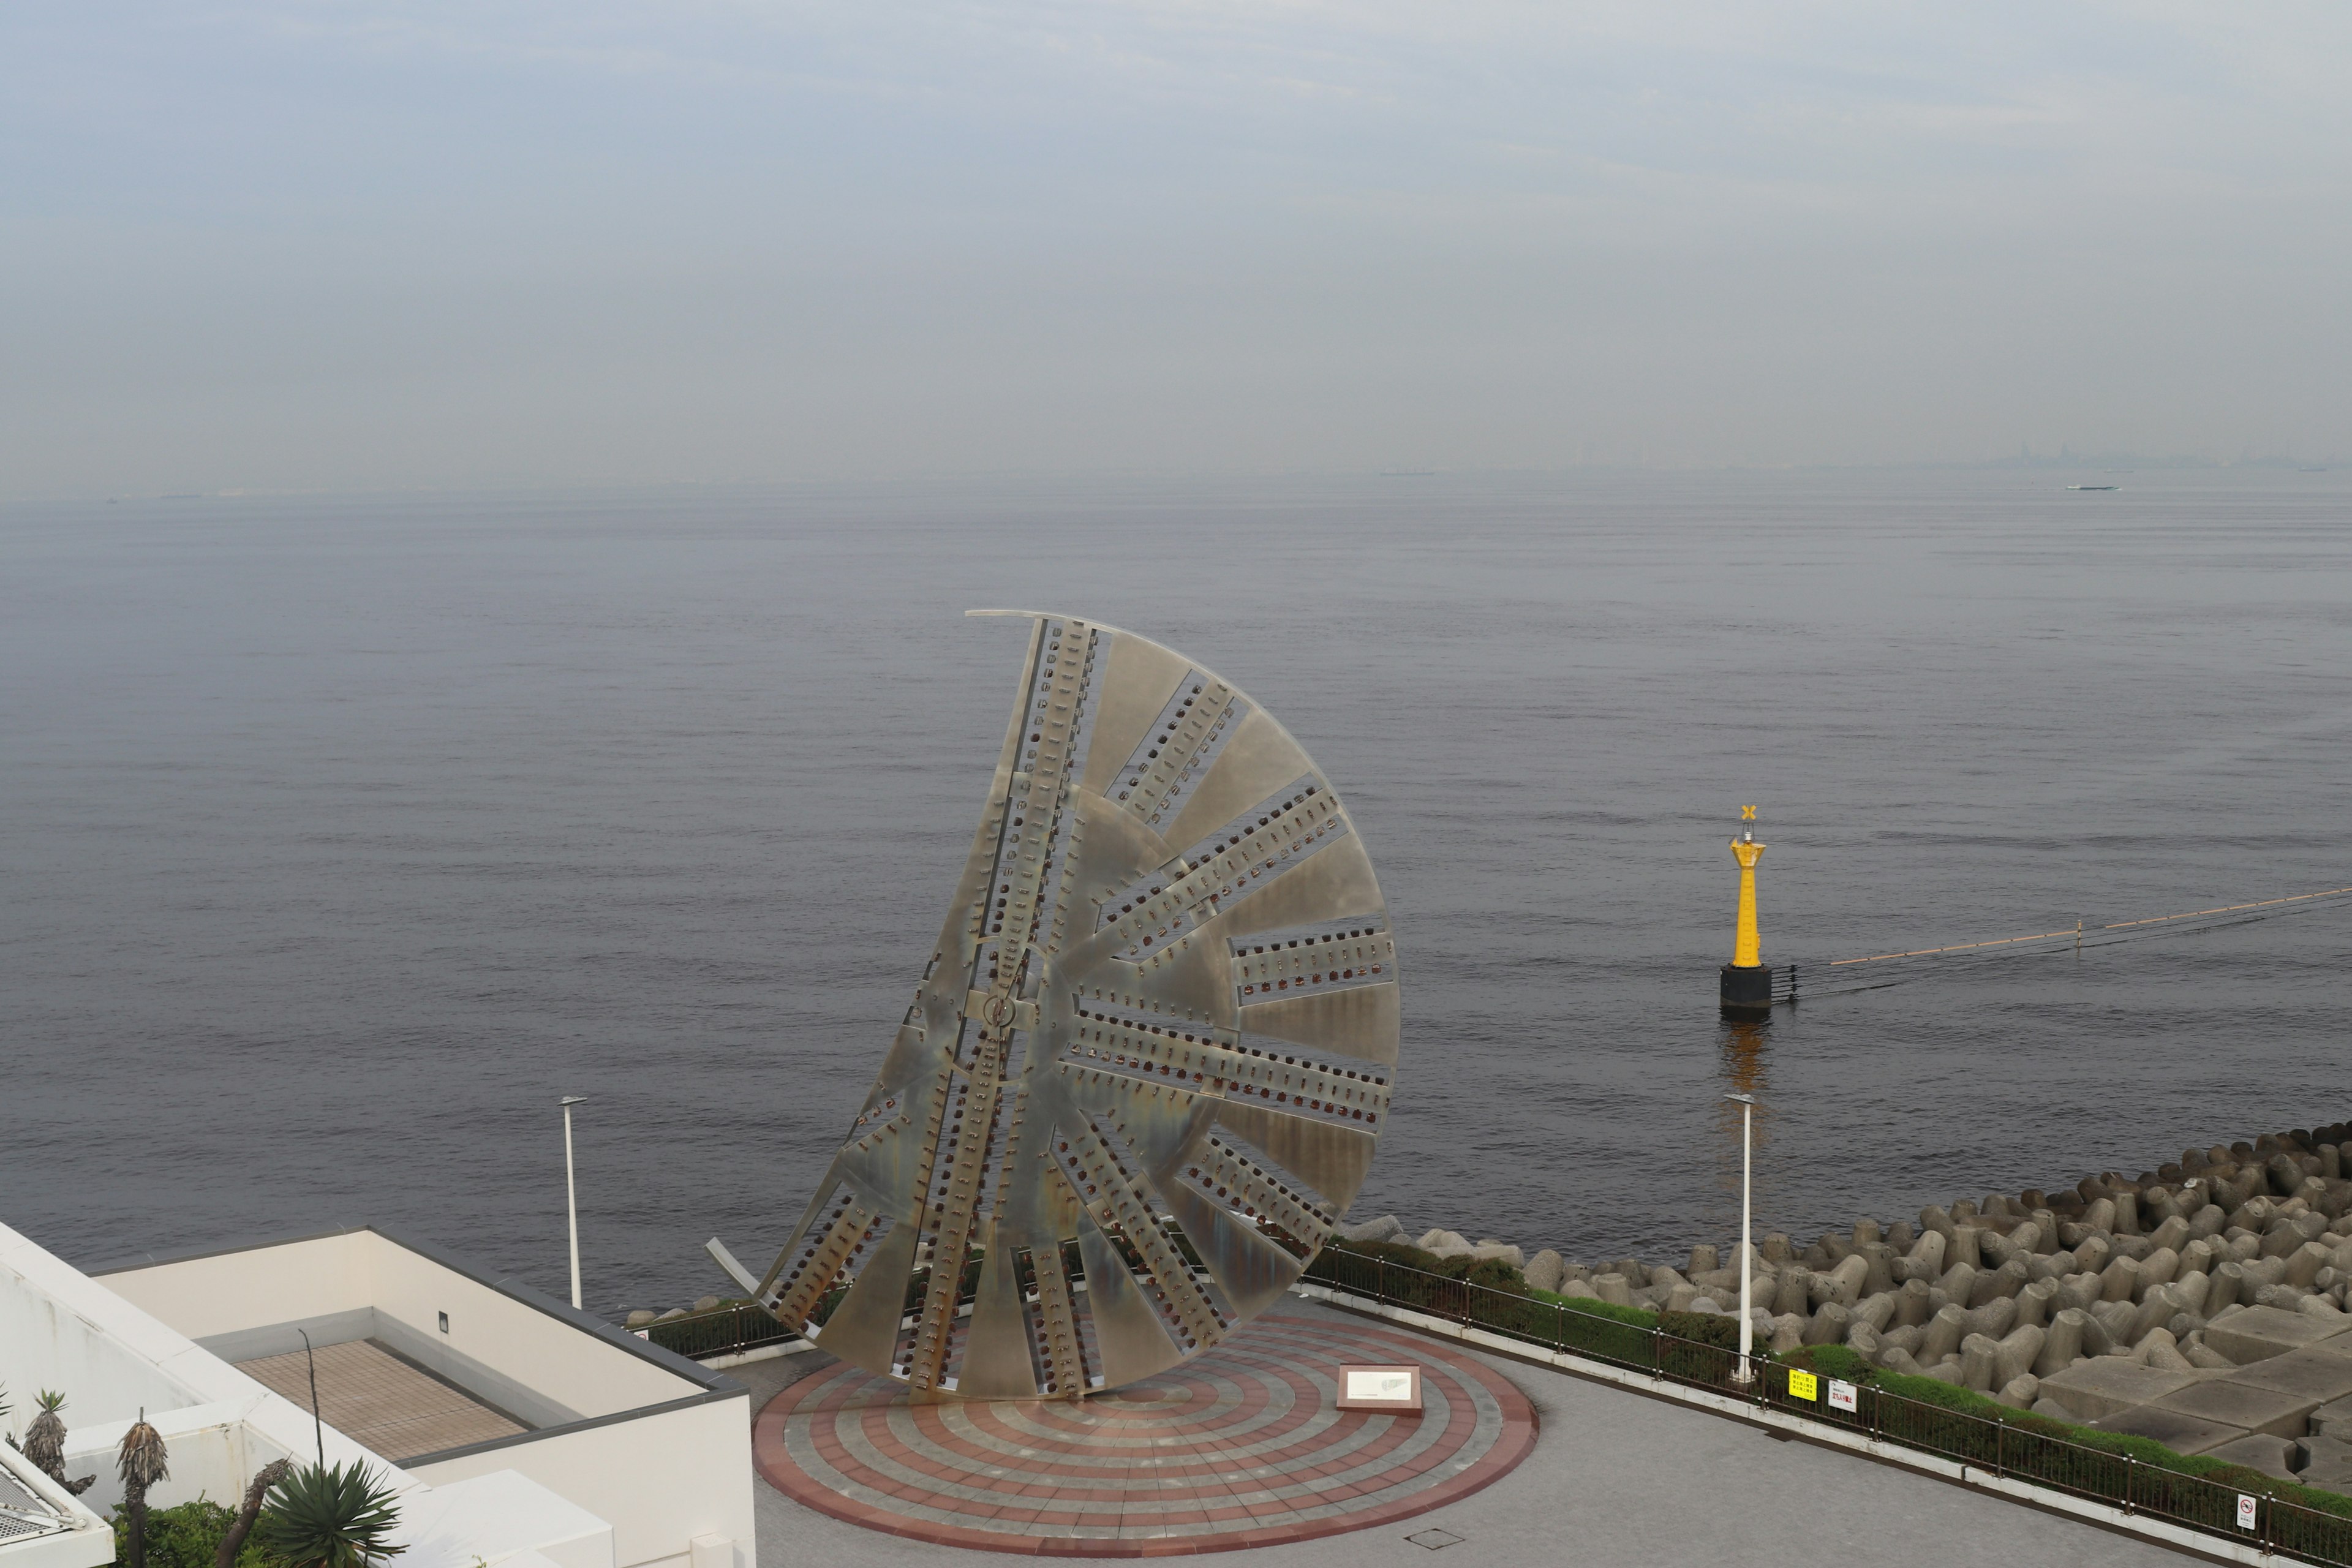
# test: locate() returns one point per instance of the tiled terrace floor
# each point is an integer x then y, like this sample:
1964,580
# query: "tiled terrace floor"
385,1403
1613,1477
1244,1447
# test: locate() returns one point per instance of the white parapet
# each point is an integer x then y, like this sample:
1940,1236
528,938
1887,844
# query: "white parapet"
651,1442
630,1456
42,1525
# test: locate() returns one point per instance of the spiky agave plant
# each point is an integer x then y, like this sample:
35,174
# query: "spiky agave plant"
141,1462
328,1517
45,1442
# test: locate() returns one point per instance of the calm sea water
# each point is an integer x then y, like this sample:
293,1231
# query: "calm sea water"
340,836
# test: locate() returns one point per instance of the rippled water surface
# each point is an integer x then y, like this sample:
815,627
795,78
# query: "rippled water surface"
339,837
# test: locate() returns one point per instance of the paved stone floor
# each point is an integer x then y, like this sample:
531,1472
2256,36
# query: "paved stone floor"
1614,1478
1242,1447
381,1401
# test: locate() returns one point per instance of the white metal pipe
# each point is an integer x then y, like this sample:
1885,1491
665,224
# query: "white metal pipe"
572,1204
1747,1269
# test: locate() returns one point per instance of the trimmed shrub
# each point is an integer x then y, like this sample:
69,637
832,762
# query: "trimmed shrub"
187,1535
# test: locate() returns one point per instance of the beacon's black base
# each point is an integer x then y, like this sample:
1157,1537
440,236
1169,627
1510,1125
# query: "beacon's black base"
1746,990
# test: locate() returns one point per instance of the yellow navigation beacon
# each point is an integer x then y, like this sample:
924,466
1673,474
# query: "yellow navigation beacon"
1747,984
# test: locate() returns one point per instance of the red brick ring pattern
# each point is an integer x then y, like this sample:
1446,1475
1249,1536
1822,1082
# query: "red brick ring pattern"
1242,1447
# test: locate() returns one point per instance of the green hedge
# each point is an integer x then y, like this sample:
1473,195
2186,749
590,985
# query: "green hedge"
1923,1413
187,1535
1975,1436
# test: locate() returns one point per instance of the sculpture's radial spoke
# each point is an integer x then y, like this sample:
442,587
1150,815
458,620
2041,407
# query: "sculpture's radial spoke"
1142,1077
1110,1039
1237,1181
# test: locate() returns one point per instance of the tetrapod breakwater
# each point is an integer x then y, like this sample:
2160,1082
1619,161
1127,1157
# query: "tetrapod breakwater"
2201,1304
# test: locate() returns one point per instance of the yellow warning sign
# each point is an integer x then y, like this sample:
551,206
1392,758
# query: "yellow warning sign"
1804,1385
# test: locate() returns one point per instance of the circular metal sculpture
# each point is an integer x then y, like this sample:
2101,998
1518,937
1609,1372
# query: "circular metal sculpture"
1144,1071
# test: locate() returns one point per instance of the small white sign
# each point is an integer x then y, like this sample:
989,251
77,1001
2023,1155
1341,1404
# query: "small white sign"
2246,1506
1842,1395
1379,1383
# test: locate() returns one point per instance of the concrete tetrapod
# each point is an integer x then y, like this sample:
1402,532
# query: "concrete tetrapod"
1995,1318
2229,1282
1960,1246
1829,1324
2006,1280
1879,1258
1843,1284
1911,1305
1959,1283
2014,1354
1979,1356
1944,1332
2156,1309
2063,1344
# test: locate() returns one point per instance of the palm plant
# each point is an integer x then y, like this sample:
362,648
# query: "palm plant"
141,1462
269,1476
45,1443
323,1517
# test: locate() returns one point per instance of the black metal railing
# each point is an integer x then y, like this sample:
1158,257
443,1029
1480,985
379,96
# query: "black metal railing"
701,1335
2132,1475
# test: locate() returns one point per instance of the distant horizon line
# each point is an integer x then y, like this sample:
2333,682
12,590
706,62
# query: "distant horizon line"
2062,461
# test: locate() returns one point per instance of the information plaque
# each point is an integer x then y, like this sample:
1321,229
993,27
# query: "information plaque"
1380,1388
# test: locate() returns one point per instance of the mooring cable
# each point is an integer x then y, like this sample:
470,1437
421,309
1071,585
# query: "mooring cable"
2079,939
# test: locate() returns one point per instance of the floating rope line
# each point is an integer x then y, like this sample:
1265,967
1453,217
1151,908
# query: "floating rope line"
2077,932
1956,947
2227,908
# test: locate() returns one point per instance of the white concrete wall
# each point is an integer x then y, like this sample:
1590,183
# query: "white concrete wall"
47,1343
77,1537
662,1479
215,1450
59,1328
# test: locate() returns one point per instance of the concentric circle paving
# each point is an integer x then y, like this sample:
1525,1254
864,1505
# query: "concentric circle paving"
1242,1447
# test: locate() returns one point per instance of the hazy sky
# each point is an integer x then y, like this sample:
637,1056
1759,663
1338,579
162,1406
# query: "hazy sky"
281,245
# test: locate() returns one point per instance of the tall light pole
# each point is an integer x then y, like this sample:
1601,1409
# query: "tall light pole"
1745,1372
572,1193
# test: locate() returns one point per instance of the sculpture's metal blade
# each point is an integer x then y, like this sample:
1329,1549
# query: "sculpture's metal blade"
1162,1015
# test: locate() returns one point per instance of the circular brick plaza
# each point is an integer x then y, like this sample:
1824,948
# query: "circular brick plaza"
1242,1447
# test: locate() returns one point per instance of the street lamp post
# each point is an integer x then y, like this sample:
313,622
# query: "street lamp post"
571,1191
1745,1372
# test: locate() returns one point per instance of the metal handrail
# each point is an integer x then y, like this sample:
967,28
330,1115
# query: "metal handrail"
2008,1448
